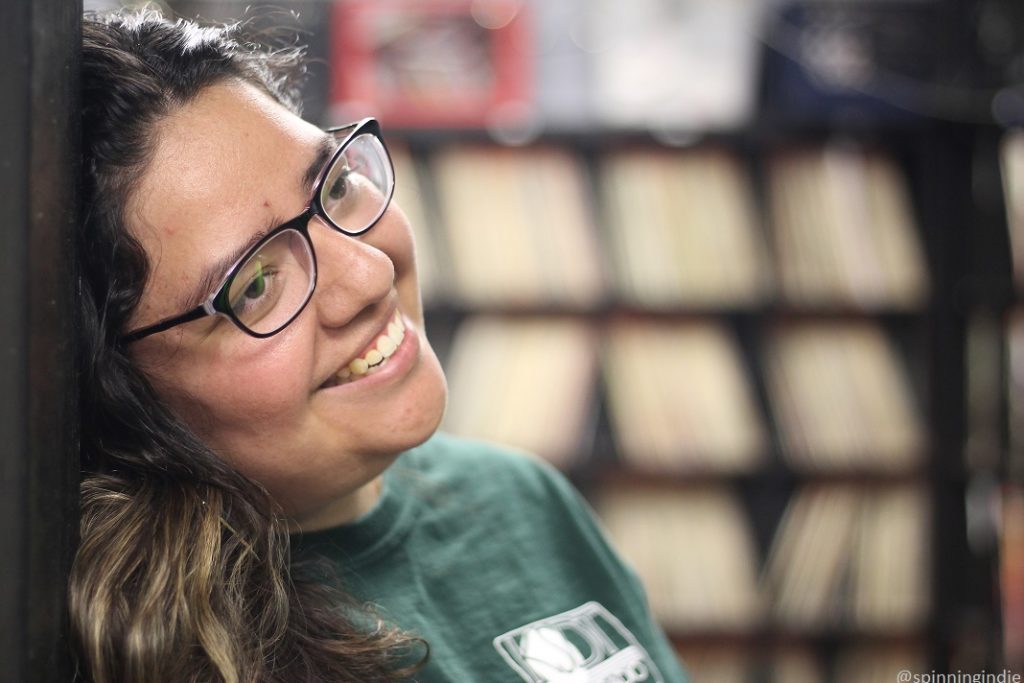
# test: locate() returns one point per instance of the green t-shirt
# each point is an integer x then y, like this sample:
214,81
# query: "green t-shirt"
495,560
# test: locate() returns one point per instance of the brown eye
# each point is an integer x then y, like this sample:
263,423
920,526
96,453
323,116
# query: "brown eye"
338,188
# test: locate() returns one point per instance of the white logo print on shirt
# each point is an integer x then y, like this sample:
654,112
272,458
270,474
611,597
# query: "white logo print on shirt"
584,645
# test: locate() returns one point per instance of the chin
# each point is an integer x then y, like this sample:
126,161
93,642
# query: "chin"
417,420
428,421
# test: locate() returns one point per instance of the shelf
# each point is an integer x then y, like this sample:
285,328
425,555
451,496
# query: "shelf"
619,475
610,310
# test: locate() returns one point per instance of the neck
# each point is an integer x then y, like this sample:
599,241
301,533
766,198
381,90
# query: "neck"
341,511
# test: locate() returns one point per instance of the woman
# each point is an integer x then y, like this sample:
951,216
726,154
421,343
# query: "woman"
254,365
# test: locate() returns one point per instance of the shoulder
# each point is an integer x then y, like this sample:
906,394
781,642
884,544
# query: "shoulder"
443,449
496,482
485,489
484,465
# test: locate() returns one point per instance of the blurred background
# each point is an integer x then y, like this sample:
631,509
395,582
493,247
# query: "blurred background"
748,271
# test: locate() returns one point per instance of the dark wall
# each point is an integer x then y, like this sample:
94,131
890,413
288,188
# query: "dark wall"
39,47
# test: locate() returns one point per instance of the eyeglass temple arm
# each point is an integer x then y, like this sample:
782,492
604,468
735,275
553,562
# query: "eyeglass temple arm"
194,314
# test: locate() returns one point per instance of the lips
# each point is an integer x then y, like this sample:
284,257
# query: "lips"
374,357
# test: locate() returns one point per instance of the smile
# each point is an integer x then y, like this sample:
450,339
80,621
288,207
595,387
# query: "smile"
374,357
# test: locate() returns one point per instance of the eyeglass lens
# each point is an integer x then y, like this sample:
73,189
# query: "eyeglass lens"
273,284
270,287
356,188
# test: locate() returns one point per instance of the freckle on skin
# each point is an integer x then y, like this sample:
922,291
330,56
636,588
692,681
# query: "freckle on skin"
266,203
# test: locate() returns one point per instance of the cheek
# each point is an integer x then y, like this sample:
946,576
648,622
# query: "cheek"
229,400
259,391
393,235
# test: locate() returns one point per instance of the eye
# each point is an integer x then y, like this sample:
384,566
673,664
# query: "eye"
255,278
338,187
252,291
258,283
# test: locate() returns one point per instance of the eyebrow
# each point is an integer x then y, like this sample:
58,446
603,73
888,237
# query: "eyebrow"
328,144
214,273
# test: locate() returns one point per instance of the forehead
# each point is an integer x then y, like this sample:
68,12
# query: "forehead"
224,167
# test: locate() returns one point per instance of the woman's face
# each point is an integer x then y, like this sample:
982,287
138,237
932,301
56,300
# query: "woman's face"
228,167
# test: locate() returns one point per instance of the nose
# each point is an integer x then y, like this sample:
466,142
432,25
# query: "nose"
351,274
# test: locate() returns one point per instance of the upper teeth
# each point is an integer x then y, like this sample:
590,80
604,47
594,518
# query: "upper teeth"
382,349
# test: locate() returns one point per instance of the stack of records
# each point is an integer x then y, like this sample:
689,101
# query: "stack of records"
844,230
683,229
525,382
842,399
848,556
1012,158
710,582
519,227
679,399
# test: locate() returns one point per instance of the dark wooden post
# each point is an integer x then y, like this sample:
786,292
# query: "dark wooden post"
39,130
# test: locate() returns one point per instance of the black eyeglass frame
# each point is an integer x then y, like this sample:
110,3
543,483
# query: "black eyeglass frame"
300,224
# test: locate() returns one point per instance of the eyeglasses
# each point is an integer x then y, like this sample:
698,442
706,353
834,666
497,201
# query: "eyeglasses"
273,281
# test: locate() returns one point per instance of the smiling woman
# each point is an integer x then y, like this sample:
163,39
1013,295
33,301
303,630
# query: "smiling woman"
201,432
255,366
